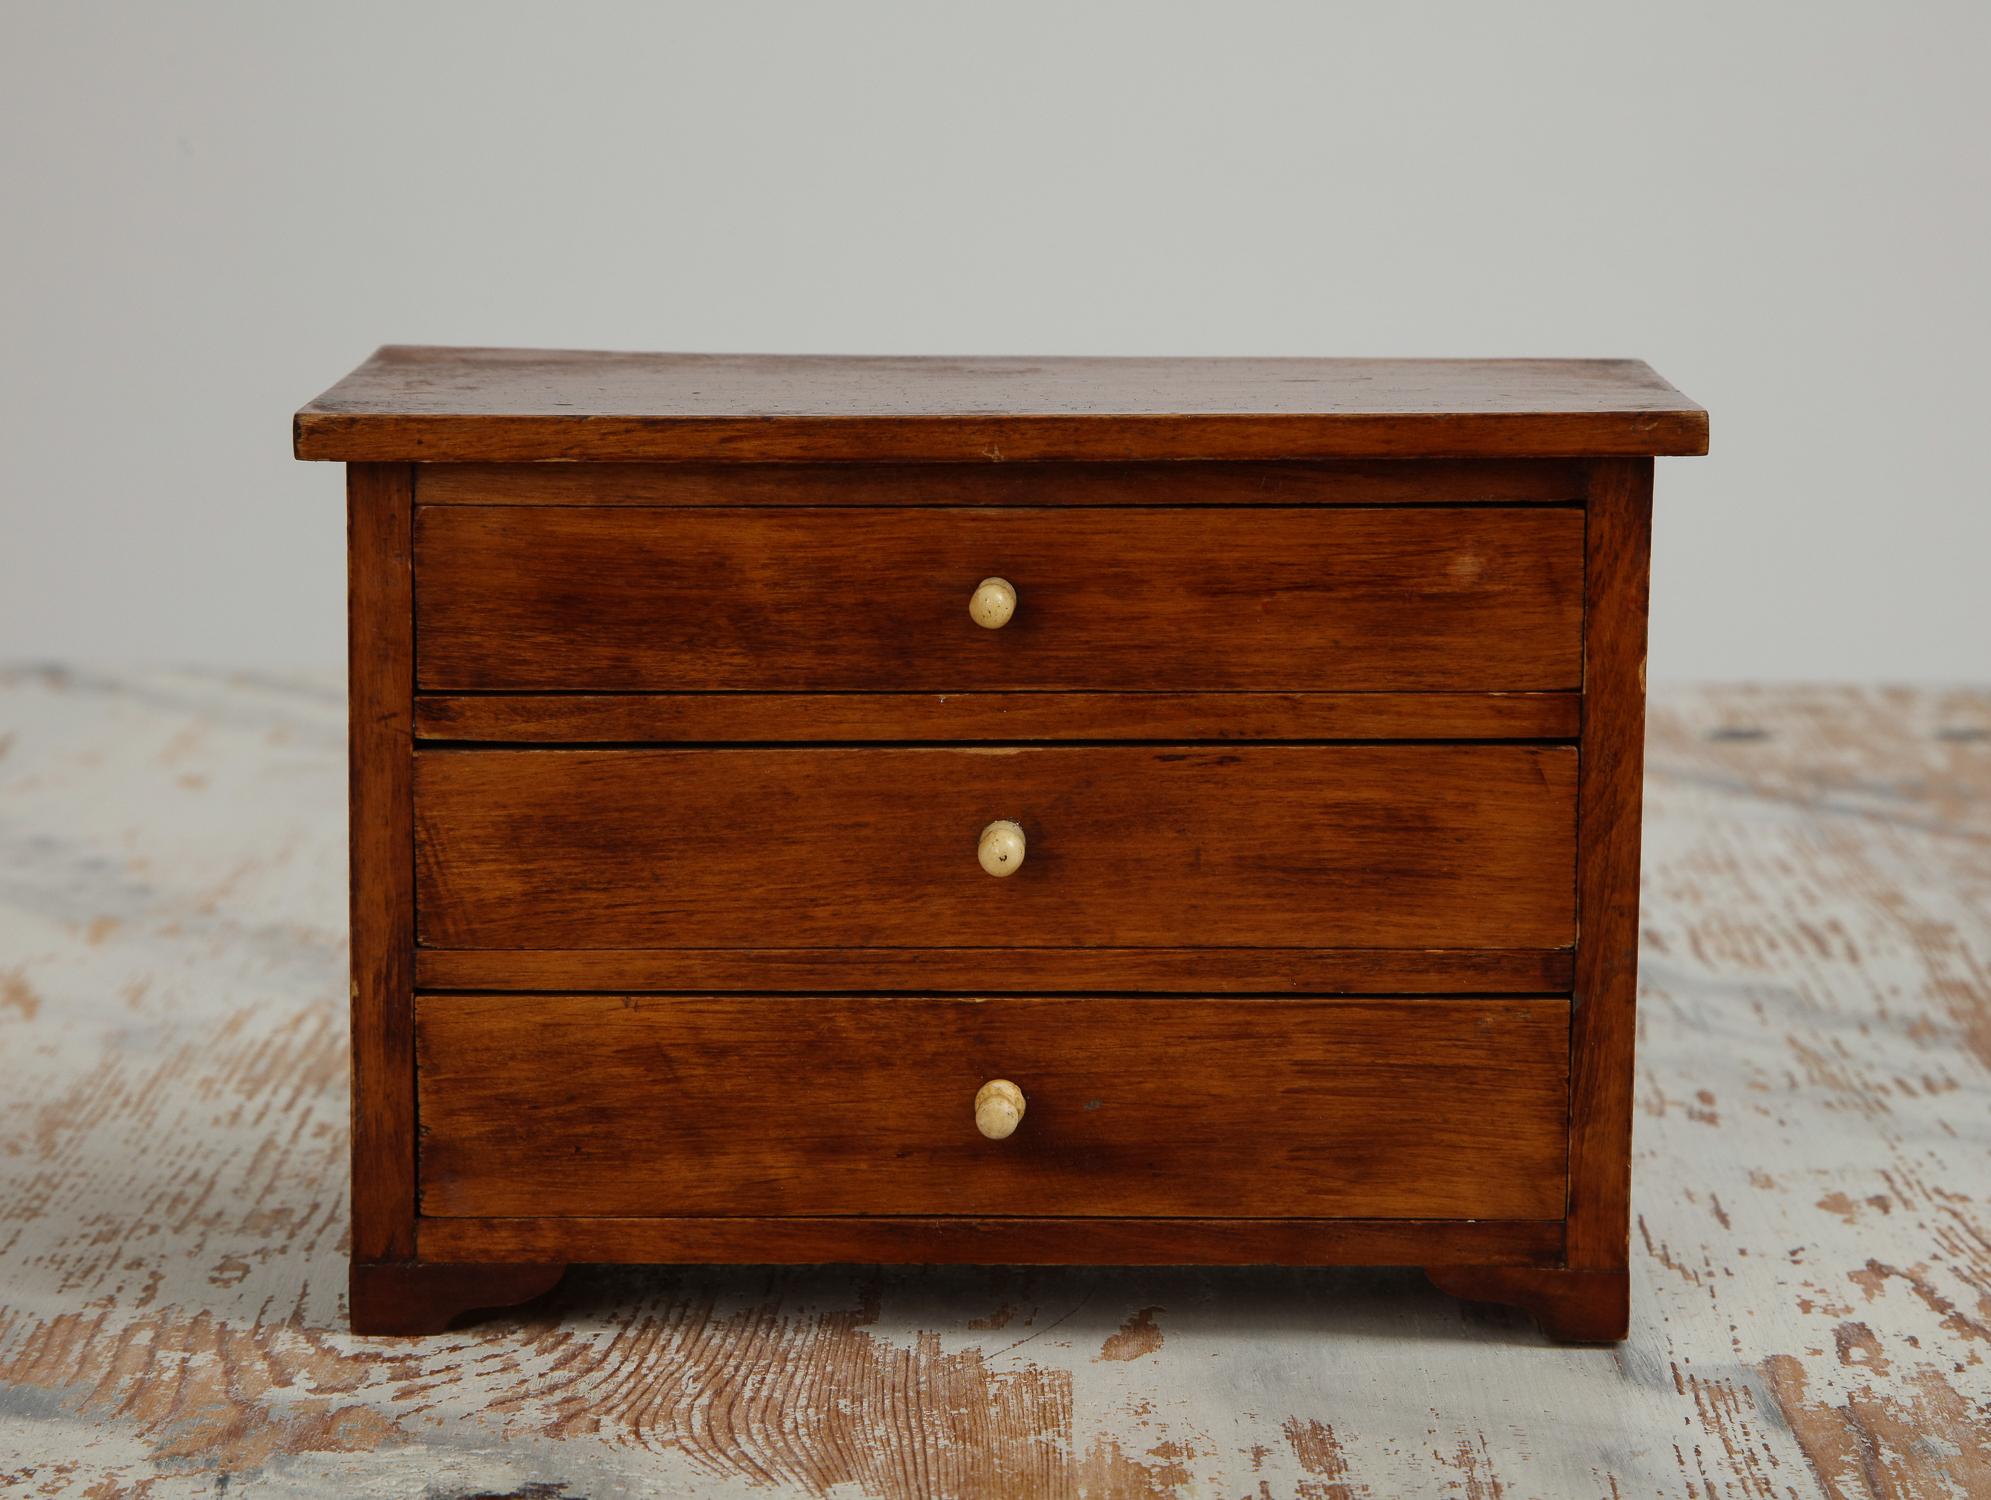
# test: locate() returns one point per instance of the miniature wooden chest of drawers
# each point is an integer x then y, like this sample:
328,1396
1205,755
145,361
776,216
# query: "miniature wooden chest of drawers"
1031,811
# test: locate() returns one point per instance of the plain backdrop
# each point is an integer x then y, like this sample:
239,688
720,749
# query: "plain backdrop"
209,212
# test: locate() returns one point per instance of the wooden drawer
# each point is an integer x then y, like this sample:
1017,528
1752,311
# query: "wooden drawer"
613,1106
854,598
1331,846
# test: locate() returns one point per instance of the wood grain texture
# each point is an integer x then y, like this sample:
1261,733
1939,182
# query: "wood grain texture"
1353,846
511,405
1320,971
380,685
1384,482
1012,1242
578,1106
762,718
870,599
1809,1235
1617,551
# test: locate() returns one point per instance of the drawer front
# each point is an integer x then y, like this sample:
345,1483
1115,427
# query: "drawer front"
1341,846
659,1106
634,599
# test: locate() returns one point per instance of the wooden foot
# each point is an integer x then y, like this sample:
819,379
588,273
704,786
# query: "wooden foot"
1572,1307
402,1297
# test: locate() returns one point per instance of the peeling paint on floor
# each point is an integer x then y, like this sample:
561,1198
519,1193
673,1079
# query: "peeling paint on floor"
1812,1245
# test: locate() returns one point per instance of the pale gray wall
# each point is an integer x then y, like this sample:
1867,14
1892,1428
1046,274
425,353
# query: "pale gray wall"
213,210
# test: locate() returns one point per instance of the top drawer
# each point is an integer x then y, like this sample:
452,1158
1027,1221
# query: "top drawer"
863,598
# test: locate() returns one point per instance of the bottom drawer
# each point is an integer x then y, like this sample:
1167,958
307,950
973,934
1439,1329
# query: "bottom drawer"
658,1106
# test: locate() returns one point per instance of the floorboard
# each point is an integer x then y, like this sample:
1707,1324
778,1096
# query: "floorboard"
1812,1279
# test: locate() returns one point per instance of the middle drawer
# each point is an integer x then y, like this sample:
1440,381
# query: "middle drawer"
1268,846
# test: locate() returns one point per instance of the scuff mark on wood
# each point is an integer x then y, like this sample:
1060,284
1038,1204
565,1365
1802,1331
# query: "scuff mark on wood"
1931,1441
1135,1337
1318,1451
17,993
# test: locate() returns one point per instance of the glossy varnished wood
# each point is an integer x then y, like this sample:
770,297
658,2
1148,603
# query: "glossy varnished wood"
876,599
657,1106
1321,971
895,1239
1376,482
429,404
1297,680
749,718
380,693
1617,552
1356,846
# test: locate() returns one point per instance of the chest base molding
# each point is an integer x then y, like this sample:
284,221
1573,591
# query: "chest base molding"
996,1241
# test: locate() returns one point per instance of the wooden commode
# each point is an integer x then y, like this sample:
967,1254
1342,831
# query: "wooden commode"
1121,811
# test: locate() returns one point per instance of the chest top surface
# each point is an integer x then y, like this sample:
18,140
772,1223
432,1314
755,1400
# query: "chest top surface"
423,404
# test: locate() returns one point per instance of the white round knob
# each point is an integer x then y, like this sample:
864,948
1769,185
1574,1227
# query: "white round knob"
1001,848
993,603
998,1108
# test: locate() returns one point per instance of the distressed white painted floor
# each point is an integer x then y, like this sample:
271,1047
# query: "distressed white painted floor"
1812,1285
